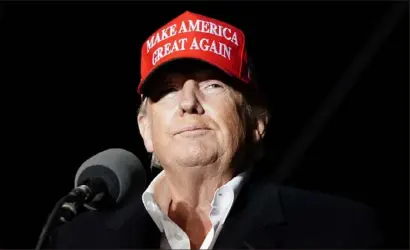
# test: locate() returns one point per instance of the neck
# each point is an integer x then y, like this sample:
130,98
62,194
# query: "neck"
195,187
191,194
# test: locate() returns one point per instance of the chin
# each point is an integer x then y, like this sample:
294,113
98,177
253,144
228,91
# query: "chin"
196,156
192,153
190,162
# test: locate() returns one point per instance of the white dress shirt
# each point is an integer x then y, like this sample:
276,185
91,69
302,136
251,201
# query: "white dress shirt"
173,237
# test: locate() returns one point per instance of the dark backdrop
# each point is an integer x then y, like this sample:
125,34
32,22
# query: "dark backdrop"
69,73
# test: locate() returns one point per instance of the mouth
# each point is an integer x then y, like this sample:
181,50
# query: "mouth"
192,130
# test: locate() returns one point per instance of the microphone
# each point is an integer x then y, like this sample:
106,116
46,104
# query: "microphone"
103,181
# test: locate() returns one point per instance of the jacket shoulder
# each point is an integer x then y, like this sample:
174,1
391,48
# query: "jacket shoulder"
295,197
99,229
84,231
332,218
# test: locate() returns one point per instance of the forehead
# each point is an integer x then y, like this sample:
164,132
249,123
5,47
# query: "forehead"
181,70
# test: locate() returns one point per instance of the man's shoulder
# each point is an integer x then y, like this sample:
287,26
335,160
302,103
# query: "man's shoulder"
303,198
321,205
330,215
311,205
296,200
89,226
308,219
94,229
88,219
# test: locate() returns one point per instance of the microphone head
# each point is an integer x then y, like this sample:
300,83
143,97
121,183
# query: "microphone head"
119,169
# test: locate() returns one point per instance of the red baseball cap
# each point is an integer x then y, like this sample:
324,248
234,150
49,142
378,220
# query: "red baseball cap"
194,36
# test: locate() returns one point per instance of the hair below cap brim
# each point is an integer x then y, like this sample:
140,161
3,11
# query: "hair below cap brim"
163,66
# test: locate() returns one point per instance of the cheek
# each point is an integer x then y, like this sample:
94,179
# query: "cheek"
237,124
228,117
159,126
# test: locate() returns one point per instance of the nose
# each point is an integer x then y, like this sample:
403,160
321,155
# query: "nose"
189,101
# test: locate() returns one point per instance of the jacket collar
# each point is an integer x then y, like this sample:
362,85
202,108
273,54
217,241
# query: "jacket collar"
132,227
255,216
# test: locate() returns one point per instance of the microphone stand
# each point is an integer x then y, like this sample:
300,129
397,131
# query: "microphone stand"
51,221
64,210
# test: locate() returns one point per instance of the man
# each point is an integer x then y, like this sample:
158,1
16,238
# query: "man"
203,118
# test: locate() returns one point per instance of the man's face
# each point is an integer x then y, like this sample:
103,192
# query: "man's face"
193,119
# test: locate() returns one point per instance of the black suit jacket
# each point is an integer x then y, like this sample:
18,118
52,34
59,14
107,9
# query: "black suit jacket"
263,216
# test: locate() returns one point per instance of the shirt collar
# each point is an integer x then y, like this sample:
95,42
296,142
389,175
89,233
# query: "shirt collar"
235,184
149,201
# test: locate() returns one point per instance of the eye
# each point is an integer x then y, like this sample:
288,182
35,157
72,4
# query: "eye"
213,86
165,91
169,90
210,85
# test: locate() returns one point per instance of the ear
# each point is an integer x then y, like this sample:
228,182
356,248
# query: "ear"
260,125
144,126
258,133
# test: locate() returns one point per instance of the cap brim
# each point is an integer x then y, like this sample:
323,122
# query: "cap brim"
163,67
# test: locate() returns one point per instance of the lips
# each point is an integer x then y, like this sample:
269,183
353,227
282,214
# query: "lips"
191,128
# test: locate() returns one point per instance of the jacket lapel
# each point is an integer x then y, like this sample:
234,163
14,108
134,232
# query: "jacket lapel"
255,219
133,228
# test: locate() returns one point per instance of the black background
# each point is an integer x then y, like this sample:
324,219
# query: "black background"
69,73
